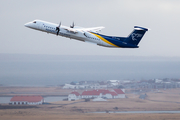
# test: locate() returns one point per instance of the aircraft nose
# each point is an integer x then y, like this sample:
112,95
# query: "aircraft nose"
27,25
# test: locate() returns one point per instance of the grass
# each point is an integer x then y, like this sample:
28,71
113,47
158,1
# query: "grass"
29,115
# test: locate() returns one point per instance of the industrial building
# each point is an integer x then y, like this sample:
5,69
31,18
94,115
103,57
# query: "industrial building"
27,100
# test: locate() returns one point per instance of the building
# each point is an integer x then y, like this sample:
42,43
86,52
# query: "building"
114,82
102,93
91,94
74,96
27,100
120,93
158,81
69,86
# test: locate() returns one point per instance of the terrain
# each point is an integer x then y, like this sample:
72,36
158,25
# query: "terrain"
161,100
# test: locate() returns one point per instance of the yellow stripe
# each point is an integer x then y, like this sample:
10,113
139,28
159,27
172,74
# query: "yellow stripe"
104,40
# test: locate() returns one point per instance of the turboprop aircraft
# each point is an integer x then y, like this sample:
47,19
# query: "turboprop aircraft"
90,34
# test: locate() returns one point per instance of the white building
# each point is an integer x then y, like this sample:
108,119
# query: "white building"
116,93
74,96
69,86
158,81
114,82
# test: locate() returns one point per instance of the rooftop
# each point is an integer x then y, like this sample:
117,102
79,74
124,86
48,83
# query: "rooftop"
26,98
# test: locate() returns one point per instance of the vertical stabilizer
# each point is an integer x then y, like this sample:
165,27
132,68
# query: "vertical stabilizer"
135,37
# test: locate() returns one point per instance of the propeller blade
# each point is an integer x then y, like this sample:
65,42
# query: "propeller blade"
59,24
72,26
58,28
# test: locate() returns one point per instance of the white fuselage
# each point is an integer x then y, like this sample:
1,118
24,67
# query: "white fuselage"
77,33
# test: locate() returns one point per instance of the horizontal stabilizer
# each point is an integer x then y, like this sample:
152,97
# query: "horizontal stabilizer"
140,28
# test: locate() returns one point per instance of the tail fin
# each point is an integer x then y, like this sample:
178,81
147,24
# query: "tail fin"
135,37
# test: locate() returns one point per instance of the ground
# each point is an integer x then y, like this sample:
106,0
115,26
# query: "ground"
79,110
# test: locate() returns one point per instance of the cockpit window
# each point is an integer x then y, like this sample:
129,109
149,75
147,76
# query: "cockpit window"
34,22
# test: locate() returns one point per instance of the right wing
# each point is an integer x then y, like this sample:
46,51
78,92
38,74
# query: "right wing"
76,29
93,29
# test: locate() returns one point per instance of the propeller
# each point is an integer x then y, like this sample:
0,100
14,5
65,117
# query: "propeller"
58,28
72,26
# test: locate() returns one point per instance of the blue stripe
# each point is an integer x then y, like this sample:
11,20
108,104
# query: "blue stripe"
118,41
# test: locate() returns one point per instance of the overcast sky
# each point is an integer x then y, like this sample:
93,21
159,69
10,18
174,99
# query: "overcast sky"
117,16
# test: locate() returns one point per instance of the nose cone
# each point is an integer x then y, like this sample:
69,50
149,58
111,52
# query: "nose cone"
27,25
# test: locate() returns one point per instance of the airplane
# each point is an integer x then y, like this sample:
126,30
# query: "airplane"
90,34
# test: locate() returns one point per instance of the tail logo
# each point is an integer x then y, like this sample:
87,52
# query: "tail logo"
135,36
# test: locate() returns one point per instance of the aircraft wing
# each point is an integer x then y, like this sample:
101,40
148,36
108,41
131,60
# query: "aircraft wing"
93,29
71,30
76,29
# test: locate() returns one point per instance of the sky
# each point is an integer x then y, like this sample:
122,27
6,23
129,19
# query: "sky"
29,56
117,16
